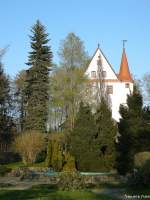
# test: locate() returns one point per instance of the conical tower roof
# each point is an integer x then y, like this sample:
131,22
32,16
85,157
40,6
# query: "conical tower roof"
124,73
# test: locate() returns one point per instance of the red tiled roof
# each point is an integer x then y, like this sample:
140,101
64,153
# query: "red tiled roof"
124,73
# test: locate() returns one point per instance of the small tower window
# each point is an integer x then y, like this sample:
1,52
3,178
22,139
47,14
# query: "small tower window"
110,89
93,74
104,74
127,85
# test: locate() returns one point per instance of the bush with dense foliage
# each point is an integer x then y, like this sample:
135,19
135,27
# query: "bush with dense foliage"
41,156
57,156
49,154
141,158
106,131
29,145
134,130
4,170
71,181
82,141
141,176
54,157
92,141
69,163
145,174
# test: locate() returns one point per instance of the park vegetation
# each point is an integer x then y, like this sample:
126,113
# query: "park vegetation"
46,112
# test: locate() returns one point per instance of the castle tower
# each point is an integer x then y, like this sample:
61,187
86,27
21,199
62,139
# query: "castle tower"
117,86
124,73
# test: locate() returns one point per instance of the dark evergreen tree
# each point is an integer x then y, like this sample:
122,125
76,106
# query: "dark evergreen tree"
37,89
133,130
144,138
82,141
4,92
106,131
6,121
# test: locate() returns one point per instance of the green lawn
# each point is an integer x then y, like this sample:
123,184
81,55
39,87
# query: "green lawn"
48,193
14,165
20,164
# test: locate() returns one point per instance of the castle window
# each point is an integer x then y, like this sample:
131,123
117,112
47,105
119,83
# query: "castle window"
110,89
127,85
104,73
93,74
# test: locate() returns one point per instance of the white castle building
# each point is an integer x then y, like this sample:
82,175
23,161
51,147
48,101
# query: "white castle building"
117,85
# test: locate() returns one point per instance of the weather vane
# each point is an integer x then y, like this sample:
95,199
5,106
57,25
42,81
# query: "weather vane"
124,41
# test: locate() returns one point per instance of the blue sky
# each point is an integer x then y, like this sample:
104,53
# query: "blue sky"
107,22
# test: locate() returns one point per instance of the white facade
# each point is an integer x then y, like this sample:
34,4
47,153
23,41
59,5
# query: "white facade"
117,89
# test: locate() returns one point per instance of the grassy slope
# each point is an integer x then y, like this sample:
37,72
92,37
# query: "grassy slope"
46,193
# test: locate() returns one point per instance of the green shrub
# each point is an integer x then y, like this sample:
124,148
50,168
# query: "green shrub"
71,181
49,154
29,144
141,177
57,157
54,157
41,157
4,170
144,173
141,158
69,165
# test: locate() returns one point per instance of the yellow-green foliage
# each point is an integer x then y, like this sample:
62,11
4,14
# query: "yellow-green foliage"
57,158
69,165
49,154
71,181
29,145
141,158
54,152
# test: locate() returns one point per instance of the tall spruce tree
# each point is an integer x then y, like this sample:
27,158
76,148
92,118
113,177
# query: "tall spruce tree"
132,127
82,141
106,131
37,89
